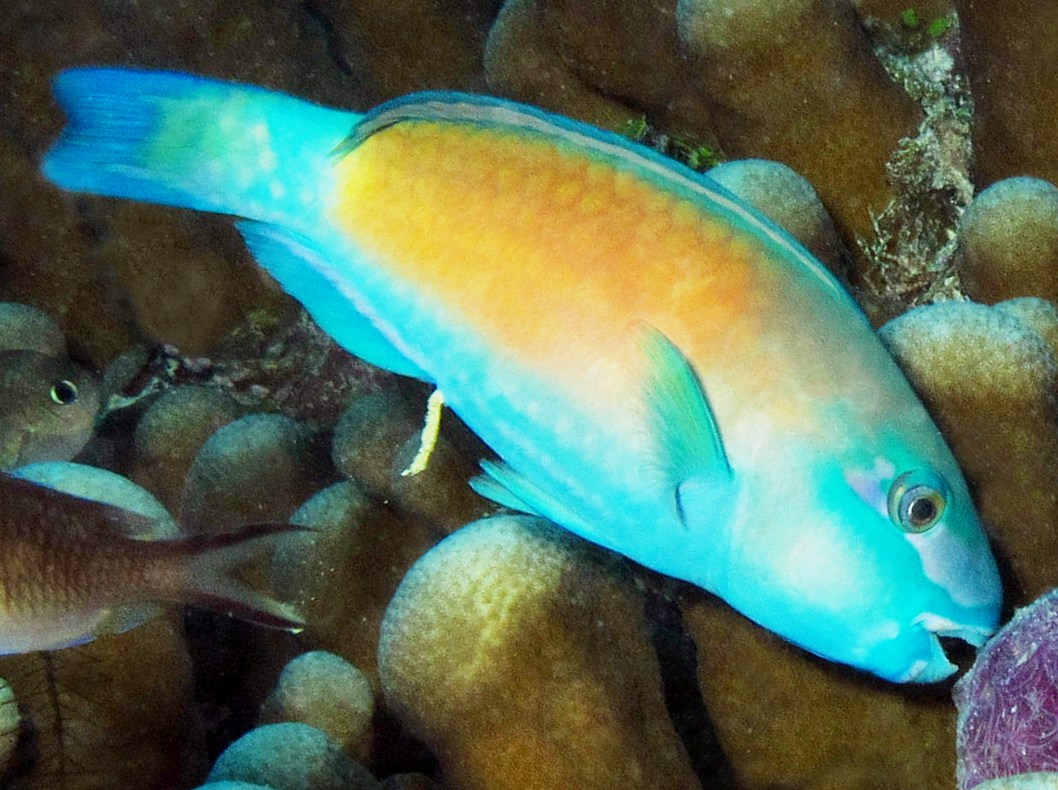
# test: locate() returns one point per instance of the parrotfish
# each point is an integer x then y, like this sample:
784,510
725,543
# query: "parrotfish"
48,408
658,368
69,571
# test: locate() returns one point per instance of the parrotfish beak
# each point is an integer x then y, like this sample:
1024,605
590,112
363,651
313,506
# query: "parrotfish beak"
916,655
975,635
937,667
963,601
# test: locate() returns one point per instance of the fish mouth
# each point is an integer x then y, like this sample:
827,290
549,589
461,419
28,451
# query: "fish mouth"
975,635
937,667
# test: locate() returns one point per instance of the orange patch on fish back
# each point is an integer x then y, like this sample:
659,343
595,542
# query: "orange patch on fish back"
546,249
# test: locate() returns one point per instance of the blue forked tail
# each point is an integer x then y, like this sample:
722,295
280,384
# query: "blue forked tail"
172,138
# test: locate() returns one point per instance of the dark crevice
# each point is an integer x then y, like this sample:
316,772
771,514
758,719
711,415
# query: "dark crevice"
318,22
678,657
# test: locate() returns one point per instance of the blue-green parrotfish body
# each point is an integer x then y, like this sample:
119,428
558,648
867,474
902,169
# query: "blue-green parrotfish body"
659,368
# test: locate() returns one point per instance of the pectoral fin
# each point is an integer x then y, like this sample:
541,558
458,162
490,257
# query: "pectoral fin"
499,483
690,449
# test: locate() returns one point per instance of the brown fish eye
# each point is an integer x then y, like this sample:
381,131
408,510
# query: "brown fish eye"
917,501
63,392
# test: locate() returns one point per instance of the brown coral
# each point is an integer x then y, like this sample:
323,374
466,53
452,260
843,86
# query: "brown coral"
1008,241
520,654
798,82
1012,59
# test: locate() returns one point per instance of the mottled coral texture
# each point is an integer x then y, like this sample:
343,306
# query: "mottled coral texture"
520,654
1008,703
1012,59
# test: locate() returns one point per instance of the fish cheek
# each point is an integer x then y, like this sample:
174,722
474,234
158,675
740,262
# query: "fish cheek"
13,438
67,417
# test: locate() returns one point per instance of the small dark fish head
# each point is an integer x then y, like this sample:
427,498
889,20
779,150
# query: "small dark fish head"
48,407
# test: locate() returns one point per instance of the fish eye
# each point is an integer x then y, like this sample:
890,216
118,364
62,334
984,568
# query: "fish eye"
917,500
63,392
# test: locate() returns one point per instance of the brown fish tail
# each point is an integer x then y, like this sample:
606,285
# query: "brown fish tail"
204,579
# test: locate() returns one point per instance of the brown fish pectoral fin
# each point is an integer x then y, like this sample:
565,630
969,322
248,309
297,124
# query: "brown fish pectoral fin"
206,580
12,440
120,619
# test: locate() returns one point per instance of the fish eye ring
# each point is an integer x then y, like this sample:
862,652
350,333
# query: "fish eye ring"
917,500
64,392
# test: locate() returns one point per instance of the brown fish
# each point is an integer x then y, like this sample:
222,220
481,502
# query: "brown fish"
47,408
68,573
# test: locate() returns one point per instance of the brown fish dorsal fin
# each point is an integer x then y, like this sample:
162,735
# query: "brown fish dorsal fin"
23,502
132,509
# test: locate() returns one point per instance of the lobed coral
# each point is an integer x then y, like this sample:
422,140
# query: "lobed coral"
327,692
753,57
290,756
1008,241
835,730
512,645
1012,61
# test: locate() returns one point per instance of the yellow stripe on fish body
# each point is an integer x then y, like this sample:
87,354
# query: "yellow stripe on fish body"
659,368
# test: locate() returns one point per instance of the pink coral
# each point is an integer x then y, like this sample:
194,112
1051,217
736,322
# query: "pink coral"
1008,702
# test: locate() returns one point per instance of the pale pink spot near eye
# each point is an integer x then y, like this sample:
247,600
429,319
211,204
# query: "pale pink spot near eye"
868,487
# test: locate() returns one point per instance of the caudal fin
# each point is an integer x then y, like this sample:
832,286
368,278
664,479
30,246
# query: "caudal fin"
181,140
202,576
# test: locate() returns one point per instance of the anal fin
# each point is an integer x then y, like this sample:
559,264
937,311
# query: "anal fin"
307,275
